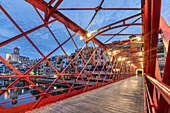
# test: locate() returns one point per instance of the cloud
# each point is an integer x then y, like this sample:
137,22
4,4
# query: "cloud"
165,10
27,18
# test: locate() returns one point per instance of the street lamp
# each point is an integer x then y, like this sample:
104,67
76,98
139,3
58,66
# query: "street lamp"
88,34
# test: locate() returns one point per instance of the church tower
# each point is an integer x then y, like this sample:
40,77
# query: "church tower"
16,50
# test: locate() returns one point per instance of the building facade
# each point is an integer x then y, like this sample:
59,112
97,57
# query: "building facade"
15,56
161,56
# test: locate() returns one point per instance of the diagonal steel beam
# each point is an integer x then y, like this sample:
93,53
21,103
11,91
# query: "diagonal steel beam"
97,10
52,10
165,32
42,5
127,41
123,20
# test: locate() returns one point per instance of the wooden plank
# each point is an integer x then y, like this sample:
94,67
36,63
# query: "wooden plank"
123,96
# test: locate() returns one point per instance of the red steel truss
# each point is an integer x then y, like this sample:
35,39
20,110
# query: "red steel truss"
157,93
114,67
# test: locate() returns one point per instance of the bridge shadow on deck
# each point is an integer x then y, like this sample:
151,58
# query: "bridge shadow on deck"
125,96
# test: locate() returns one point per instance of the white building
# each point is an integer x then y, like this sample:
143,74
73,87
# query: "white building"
15,56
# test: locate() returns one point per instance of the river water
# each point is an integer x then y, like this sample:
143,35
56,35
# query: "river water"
23,92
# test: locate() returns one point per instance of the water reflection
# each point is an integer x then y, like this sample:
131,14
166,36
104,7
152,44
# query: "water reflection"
23,92
13,94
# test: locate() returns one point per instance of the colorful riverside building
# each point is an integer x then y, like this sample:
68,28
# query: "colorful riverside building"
15,56
161,56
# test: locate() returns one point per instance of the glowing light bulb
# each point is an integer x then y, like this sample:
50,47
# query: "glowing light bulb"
128,62
81,38
138,39
123,59
88,34
119,59
109,53
140,54
114,52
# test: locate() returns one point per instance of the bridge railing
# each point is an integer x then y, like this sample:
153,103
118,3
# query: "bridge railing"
161,89
23,91
50,88
93,64
157,88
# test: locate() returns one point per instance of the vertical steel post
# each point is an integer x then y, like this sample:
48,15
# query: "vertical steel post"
156,8
147,31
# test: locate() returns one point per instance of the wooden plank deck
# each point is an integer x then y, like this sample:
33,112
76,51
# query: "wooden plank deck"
125,96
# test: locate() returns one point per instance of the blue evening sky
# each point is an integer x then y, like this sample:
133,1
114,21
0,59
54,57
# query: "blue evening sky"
27,18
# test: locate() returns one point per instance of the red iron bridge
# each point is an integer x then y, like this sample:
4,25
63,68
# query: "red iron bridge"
115,75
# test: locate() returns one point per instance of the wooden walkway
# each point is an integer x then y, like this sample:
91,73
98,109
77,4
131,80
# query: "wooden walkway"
125,96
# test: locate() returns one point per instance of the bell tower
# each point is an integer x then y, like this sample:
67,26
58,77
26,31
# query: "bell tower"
16,50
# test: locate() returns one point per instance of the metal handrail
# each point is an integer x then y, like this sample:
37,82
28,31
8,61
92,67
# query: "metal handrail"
163,88
149,99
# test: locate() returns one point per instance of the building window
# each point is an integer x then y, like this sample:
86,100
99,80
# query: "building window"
160,49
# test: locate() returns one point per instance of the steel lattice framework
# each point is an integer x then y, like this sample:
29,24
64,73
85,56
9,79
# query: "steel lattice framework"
157,91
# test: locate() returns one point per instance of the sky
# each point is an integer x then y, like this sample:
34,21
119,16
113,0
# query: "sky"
27,18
